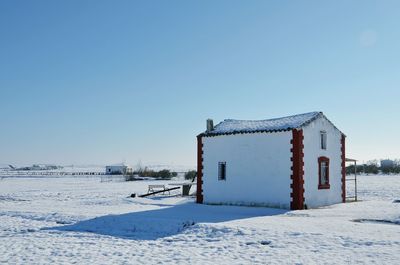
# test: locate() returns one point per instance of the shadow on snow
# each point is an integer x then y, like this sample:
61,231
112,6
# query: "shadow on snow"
168,221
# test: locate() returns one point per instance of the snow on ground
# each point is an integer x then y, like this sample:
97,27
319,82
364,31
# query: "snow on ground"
85,221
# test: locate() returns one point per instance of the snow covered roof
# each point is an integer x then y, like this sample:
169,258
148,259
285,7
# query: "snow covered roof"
230,126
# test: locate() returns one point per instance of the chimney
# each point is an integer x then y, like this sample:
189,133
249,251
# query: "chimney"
210,125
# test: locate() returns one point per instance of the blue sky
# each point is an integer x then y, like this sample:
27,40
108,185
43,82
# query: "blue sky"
96,82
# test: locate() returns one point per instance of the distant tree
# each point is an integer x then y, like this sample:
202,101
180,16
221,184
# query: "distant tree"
149,173
190,175
387,170
164,174
138,167
396,168
350,169
371,167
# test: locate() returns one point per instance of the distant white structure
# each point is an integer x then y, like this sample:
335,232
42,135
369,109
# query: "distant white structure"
387,163
118,169
293,162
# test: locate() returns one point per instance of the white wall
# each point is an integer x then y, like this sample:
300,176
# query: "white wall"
258,169
312,150
116,169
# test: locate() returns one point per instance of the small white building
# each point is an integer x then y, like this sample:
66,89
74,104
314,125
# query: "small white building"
118,169
293,162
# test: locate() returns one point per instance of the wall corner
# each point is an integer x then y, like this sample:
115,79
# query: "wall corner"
297,177
199,193
343,156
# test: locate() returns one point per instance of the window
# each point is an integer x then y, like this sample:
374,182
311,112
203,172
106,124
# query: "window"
323,172
323,140
222,171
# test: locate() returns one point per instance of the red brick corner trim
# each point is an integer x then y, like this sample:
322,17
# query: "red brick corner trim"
343,149
199,193
297,177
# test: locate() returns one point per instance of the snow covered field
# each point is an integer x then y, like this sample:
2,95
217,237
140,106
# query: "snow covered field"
85,221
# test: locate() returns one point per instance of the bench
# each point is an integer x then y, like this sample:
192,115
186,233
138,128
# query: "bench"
154,188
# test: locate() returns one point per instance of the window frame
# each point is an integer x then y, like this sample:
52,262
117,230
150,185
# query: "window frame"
325,185
222,171
323,137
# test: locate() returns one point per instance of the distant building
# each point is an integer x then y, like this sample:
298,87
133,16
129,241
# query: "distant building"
293,162
118,169
387,163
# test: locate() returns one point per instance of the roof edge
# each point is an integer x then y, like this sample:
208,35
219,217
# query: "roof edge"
303,125
242,132
321,115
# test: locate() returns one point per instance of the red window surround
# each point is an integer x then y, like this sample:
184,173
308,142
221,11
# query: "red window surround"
323,179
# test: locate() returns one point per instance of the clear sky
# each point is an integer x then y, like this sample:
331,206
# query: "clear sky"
97,82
